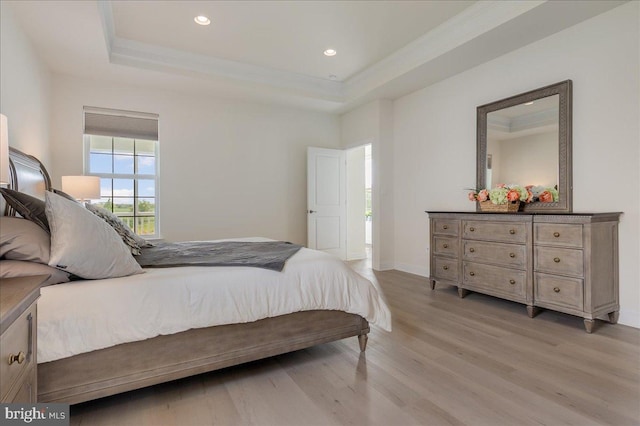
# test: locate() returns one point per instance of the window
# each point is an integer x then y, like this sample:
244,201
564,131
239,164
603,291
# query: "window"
121,147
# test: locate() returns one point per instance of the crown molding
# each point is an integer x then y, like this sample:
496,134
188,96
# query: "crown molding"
471,23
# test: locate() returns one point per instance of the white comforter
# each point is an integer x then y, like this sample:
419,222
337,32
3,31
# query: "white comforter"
83,316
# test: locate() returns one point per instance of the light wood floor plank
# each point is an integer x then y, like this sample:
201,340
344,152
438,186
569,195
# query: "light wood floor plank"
449,361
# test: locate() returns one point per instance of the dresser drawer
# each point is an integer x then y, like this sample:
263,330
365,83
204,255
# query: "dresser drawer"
509,232
559,261
446,227
559,292
18,339
445,269
554,234
512,255
447,246
494,279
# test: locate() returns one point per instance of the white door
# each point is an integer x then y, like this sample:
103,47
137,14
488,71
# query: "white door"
327,200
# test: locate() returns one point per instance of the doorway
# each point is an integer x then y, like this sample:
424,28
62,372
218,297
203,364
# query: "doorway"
359,206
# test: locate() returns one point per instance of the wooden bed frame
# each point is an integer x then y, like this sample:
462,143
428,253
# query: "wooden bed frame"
139,364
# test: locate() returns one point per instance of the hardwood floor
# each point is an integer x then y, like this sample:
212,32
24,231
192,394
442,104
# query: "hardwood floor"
448,361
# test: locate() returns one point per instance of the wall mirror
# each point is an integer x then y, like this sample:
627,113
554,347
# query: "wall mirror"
526,140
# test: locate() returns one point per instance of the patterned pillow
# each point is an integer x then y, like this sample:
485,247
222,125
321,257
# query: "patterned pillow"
128,236
27,206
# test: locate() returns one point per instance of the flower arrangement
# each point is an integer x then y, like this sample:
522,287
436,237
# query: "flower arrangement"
503,194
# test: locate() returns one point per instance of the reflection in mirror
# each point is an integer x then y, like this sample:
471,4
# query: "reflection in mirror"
526,140
522,144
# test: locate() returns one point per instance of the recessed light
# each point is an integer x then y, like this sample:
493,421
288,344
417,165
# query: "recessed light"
330,52
202,20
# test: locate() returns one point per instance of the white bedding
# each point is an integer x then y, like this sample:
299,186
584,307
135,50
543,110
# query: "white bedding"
83,316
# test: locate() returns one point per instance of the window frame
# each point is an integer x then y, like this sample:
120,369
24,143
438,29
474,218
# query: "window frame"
133,176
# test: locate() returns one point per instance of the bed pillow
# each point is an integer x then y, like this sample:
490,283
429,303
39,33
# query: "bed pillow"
85,245
130,238
27,206
64,194
21,239
21,268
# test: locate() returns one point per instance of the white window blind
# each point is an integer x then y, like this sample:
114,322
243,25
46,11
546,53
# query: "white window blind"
125,124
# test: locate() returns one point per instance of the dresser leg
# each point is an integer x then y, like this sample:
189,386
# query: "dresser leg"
462,292
613,317
532,311
588,325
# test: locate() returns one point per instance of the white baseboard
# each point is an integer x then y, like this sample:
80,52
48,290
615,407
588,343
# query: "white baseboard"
356,255
629,317
423,271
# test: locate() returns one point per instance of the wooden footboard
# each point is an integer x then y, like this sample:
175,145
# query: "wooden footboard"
139,364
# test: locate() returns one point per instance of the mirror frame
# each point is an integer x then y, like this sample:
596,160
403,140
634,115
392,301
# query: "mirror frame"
565,172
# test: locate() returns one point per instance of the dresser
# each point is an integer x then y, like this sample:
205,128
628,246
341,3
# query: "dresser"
18,328
563,262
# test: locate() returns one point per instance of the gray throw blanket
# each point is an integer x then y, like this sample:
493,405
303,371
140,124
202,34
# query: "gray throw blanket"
268,254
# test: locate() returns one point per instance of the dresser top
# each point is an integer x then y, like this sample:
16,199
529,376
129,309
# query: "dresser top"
16,294
576,217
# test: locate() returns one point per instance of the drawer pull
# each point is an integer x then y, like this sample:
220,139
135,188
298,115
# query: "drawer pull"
556,259
472,250
445,246
556,289
512,255
472,273
472,229
445,227
512,231
17,358
445,267
512,282
556,234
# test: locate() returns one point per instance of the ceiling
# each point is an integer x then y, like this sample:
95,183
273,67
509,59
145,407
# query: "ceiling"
272,51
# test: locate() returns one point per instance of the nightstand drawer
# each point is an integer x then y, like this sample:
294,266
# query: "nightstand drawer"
555,234
559,292
446,246
446,227
559,261
508,232
17,344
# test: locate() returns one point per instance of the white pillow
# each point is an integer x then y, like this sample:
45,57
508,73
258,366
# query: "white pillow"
85,245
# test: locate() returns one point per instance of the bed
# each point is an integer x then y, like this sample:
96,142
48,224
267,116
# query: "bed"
126,355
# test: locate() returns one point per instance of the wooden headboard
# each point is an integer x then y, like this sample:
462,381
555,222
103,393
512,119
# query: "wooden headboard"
28,175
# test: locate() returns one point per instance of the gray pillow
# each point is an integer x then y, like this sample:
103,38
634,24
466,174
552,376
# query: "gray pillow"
130,238
64,194
27,206
20,268
21,239
83,244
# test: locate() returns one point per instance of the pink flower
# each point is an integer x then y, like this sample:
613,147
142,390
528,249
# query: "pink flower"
513,195
483,195
545,197
529,196
472,196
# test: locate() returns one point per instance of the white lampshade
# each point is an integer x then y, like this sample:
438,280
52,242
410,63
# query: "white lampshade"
82,187
4,151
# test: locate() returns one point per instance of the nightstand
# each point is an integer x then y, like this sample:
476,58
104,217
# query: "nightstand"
18,332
